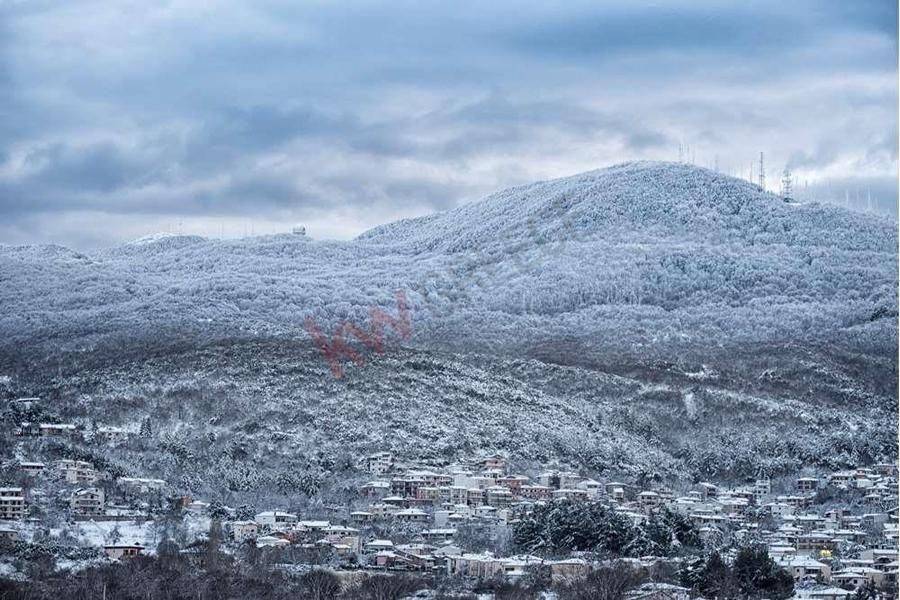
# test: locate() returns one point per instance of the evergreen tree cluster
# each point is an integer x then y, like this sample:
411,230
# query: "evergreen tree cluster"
564,526
752,575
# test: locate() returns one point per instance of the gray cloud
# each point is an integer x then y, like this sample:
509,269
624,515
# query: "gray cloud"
121,118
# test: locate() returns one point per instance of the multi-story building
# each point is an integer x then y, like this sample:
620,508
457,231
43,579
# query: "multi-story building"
77,471
12,504
406,487
378,463
498,497
807,484
32,468
58,429
87,502
242,531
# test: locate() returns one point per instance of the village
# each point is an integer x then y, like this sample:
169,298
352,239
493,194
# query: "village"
834,532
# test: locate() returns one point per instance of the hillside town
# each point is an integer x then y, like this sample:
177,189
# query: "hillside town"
835,533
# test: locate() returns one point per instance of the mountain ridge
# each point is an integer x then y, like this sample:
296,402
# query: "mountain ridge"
640,257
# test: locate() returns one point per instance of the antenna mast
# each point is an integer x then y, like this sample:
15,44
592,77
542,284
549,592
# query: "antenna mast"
762,172
787,185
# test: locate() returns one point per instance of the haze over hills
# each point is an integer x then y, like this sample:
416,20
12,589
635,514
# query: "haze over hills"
612,320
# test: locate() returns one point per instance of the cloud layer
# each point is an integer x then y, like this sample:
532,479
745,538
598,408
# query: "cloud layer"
121,119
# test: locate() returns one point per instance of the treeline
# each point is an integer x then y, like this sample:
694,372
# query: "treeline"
203,575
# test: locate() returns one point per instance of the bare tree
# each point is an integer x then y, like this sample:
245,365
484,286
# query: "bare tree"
609,582
320,584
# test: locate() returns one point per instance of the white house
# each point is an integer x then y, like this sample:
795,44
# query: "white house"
275,519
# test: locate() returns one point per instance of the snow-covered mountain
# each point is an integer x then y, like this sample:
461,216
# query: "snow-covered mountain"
634,258
628,319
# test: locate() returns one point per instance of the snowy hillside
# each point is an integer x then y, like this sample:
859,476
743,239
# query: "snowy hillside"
639,258
625,320
256,419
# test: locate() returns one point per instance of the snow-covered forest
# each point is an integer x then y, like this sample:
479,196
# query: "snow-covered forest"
652,320
643,258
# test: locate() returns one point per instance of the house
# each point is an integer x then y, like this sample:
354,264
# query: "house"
57,429
140,485
779,509
376,546
111,435
378,463
242,531
412,515
24,404
498,496
8,534
649,500
405,487
569,494
340,536
814,543
375,489
28,429
886,469
272,541
733,504
474,497
198,507
512,482
313,526
495,461
428,495
841,478
762,487
439,535
481,566
31,468
659,591
431,478
854,579
569,568
456,494
275,519
807,484
801,567
535,492
780,551
360,516
385,559
120,551
397,501
592,487
12,504
381,510
486,566
707,490
824,593
77,471
882,558
87,502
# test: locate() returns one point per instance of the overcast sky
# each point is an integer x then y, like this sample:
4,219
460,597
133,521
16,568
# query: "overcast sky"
121,119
